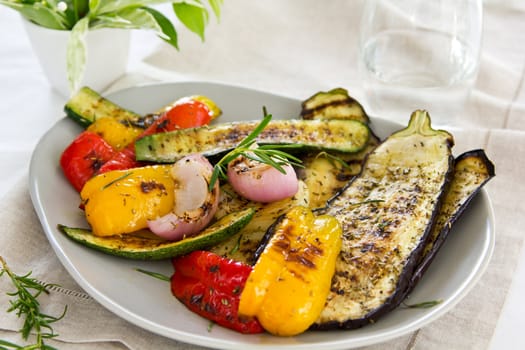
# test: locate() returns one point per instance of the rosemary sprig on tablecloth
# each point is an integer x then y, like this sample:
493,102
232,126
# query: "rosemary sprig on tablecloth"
26,305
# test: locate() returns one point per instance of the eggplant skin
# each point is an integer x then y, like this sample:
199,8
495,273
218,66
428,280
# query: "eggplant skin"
387,213
472,170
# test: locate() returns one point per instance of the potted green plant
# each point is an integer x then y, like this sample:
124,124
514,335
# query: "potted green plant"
64,33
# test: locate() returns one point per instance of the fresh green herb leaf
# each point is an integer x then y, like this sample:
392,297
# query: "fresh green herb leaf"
333,158
117,179
423,305
157,275
237,245
25,304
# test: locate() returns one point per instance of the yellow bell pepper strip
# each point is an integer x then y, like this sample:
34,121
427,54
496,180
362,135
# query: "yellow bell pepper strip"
122,201
116,132
290,281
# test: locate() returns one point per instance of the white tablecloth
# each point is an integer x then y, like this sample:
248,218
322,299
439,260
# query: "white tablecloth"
296,48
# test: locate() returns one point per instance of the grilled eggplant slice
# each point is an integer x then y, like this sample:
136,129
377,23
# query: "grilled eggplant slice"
472,170
387,212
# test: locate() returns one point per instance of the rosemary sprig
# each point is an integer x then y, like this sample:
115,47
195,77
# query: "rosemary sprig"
334,159
26,304
156,275
117,180
423,305
267,154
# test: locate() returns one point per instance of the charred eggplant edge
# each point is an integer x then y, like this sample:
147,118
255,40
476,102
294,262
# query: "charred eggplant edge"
441,237
405,277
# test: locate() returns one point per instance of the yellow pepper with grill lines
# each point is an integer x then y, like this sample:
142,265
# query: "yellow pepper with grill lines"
118,133
122,201
290,281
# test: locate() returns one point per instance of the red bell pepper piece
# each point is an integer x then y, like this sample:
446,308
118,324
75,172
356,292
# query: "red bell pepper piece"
121,160
210,286
84,157
189,114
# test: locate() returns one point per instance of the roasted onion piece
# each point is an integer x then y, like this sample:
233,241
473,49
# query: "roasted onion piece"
194,205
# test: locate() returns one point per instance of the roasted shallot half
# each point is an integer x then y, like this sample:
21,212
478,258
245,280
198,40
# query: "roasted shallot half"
261,173
195,204
261,182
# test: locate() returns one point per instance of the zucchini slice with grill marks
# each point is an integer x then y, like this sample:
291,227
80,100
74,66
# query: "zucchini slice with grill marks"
87,105
387,213
333,104
338,135
144,245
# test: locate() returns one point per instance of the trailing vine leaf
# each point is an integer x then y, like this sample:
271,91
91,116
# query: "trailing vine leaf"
76,54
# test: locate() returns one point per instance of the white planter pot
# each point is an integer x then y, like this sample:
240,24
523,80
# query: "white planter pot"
107,55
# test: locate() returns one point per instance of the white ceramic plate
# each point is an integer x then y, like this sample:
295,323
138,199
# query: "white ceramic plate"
148,302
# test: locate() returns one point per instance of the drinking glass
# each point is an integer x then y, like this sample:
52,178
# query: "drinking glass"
419,54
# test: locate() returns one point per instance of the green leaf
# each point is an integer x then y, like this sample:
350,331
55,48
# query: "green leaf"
76,53
129,18
216,7
193,15
139,18
112,6
39,14
93,6
167,28
80,8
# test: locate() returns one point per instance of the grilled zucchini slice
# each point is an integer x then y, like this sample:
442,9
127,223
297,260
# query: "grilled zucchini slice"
144,245
338,135
87,105
387,212
333,104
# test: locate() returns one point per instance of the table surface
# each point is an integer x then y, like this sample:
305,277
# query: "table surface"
29,106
